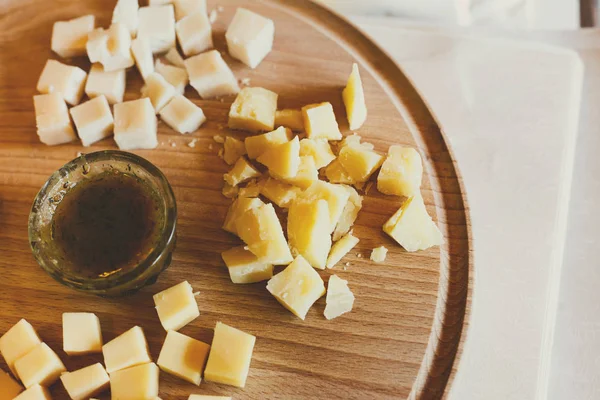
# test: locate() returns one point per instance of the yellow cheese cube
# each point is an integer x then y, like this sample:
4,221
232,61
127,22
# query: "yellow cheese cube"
250,37
318,149
70,37
36,392
306,176
126,13
175,58
257,145
85,382
412,227
182,115
297,287
245,267
135,383
261,230
142,54
230,191
242,171
253,110
340,249
183,357
110,84
349,214
335,173
320,122
353,139
290,118
194,33
66,80
401,172
157,24
339,298
204,397
336,196
282,160
41,365
233,149
210,75
230,356
379,254
81,333
93,120
252,188
176,306
359,162
9,389
52,119
183,8
110,47
176,76
236,210
354,100
158,90
135,125
308,230
126,351
18,341
282,194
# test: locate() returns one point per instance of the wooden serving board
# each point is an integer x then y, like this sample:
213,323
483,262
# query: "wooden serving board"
403,337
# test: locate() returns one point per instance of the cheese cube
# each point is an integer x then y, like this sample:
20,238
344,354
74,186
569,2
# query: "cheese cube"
250,37
126,13
135,383
289,118
127,350
183,8
175,58
349,214
306,176
339,298
182,115
320,122
64,79
36,392
308,230
261,230
319,149
9,389
70,37
230,356
18,341
204,397
93,120
280,193
111,47
210,75
253,110
245,267
183,357
158,90
52,119
41,365
354,100
157,24
282,160
297,287
176,306
233,149
379,254
335,195
81,333
194,33
336,173
110,84
359,162
176,76
142,54
85,382
236,210
257,145
242,171
230,191
252,189
135,125
401,172
340,249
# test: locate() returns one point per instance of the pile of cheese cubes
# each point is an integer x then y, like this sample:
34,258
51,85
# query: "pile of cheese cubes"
128,368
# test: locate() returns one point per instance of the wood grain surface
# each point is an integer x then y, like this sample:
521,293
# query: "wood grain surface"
404,334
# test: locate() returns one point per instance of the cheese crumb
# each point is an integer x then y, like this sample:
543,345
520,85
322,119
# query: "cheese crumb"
219,139
213,16
378,254
339,298
192,143
173,144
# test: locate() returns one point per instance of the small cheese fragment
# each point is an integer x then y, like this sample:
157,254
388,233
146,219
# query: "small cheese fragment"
282,160
210,75
340,249
297,287
306,176
157,24
64,79
194,33
236,210
175,58
93,120
349,214
204,397
110,47
183,8
81,333
253,110
379,254
41,365
242,171
280,193
36,392
290,118
142,54
233,149
354,100
85,382
70,37
245,267
359,162
126,13
135,383
319,149
257,145
230,356
158,90
176,76
19,340
320,122
176,306
183,357
52,119
250,37
335,173
308,230
339,298
230,191
335,195
9,389
252,189
127,350
401,172
110,84
182,115
135,125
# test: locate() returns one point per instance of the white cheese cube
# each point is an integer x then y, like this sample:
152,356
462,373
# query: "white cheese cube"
183,8
157,24
128,350
183,357
176,76
36,392
85,382
70,37
339,298
194,33
52,119
158,90
182,115
176,306
250,37
41,365
135,125
111,47
210,75
81,331
245,267
142,54
110,84
175,58
126,13
135,383
9,389
93,120
18,341
60,78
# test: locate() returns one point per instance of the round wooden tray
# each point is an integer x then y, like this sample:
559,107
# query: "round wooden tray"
403,337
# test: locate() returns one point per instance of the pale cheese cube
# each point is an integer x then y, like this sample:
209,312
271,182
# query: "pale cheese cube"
81,333
85,382
110,47
308,230
335,195
176,306
9,389
157,24
319,149
257,145
70,37
36,392
158,90
175,58
52,119
379,254
297,287
142,54
230,356
306,176
126,13
280,193
336,173
183,357
127,350
135,383
204,397
19,340
245,267
194,33
93,120
183,8
110,84
237,209
182,115
359,162
250,37
233,149
401,172
176,76
349,214
282,160
320,122
339,300
210,75
354,100
135,125
241,172
253,110
64,79
290,118
41,365
340,249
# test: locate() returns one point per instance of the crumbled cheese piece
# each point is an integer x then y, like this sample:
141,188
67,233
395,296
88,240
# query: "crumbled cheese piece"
339,300
340,249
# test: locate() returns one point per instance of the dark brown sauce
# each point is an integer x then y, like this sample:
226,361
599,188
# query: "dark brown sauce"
106,225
